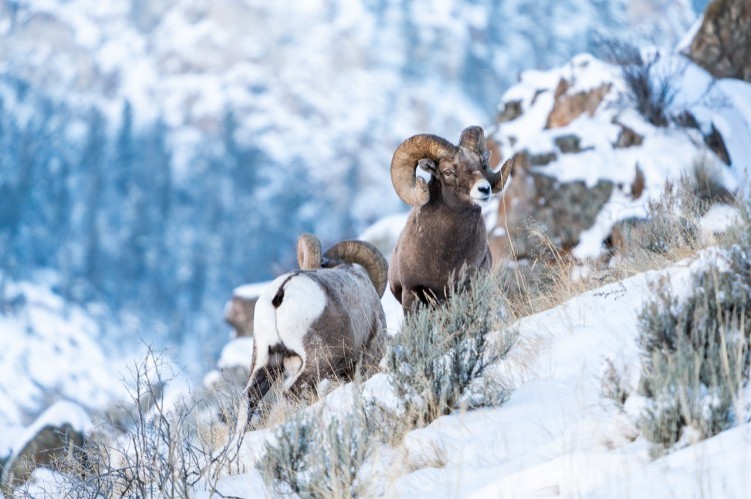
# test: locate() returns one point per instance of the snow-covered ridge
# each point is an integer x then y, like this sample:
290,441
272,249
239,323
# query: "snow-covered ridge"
49,351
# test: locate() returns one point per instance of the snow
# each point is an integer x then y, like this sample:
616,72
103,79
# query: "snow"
384,233
556,435
724,104
49,349
236,353
56,416
718,219
685,43
251,291
716,467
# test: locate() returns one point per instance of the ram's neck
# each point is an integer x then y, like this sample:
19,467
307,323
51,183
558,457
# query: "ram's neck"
437,222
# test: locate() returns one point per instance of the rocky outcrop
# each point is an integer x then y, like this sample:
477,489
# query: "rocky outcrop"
722,45
591,163
570,105
56,435
539,213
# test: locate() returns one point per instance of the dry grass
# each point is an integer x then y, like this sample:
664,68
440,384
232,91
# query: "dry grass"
669,234
159,448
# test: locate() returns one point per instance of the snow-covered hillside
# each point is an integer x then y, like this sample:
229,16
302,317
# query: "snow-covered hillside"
52,351
157,154
160,153
556,435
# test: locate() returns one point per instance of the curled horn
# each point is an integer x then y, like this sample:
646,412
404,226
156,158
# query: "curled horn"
411,189
365,254
498,179
473,138
308,252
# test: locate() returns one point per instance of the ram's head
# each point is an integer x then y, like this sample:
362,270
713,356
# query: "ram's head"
460,175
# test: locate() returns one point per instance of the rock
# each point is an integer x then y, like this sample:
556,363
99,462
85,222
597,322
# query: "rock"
57,434
511,110
722,45
717,145
538,209
541,159
637,187
569,107
568,143
628,138
239,313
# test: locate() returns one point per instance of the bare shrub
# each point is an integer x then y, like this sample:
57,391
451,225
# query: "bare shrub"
613,386
651,86
442,351
555,276
670,232
155,449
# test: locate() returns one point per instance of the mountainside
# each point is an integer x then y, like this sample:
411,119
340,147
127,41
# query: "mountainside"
160,153
157,154
50,351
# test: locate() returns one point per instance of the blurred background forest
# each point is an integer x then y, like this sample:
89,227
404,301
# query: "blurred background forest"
154,154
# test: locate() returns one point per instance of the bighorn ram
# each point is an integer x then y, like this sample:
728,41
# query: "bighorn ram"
445,230
320,321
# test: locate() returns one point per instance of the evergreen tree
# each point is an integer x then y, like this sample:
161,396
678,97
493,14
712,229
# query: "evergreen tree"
93,160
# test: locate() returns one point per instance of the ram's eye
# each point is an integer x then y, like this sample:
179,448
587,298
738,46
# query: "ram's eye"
448,173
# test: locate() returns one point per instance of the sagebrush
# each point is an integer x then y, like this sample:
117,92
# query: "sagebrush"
443,350
695,352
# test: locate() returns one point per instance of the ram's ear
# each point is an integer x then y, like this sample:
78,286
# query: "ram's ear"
428,165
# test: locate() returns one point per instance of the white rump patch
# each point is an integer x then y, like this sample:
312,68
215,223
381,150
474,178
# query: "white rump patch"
292,370
302,304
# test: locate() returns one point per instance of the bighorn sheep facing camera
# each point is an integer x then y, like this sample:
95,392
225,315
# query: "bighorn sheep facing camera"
445,230
320,321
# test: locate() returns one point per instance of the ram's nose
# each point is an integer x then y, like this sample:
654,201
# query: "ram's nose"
480,192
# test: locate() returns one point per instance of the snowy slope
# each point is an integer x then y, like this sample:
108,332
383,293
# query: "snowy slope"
556,436
49,352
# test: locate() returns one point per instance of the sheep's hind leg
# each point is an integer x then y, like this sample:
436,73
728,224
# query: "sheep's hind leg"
259,385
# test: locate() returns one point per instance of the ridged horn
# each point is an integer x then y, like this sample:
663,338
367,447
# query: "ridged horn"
365,254
308,252
498,179
411,189
473,138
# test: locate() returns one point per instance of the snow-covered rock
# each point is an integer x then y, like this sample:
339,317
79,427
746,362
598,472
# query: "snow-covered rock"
590,160
721,40
57,432
50,350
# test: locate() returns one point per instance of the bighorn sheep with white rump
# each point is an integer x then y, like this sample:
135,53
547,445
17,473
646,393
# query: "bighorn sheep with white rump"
445,230
320,321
